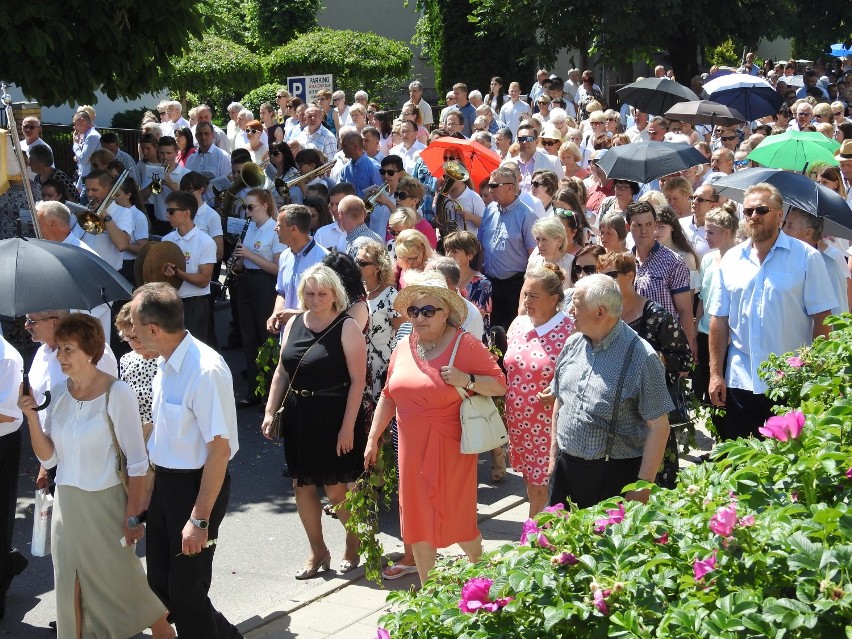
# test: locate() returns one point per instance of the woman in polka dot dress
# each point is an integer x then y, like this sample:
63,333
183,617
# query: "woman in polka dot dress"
535,342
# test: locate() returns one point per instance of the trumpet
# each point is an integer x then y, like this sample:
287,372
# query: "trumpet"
310,175
370,202
90,218
157,182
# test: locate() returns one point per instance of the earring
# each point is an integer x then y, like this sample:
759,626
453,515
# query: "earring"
90,360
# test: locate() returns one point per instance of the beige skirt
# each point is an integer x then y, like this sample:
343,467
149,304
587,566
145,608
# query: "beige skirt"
86,533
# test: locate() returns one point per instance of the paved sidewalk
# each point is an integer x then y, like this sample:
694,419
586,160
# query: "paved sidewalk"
349,607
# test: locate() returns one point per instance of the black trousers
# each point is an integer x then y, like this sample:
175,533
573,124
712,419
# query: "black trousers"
10,459
587,482
196,315
505,297
745,413
182,582
255,298
701,375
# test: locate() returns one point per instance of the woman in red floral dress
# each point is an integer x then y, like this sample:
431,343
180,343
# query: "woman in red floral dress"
535,342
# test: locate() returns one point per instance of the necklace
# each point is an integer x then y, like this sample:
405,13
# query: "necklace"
422,349
378,286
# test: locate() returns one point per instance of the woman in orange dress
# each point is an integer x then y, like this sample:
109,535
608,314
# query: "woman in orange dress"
437,483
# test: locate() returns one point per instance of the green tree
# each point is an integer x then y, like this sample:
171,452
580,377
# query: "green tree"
63,51
279,22
216,70
463,51
357,60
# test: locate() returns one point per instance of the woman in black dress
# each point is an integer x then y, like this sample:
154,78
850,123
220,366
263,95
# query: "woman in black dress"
321,379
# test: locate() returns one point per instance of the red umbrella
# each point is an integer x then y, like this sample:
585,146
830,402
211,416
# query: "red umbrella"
477,159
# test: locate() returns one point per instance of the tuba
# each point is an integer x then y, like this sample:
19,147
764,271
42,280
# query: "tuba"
454,171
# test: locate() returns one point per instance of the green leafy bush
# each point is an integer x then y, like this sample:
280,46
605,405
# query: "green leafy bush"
357,60
264,93
131,118
757,543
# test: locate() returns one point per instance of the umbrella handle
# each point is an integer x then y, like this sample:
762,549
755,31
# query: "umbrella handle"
26,386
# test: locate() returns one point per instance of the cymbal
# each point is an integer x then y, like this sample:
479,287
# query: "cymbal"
155,258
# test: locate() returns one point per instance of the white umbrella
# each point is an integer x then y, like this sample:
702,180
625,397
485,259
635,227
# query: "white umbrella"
752,96
735,81
793,80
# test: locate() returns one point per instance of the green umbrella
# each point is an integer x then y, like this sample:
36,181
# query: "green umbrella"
795,150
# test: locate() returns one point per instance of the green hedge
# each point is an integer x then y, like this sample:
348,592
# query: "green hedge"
365,61
756,543
264,93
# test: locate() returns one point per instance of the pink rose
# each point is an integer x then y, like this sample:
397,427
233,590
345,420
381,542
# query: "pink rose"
529,530
662,539
564,559
701,567
795,362
784,427
724,521
599,600
849,473
614,516
475,596
381,633
542,541
746,521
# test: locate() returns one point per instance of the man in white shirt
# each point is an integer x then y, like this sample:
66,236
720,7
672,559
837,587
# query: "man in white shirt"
199,252
639,131
531,158
209,160
538,88
31,128
415,95
204,114
118,221
315,135
332,236
12,562
703,200
512,111
169,179
87,140
340,110
410,147
194,437
294,230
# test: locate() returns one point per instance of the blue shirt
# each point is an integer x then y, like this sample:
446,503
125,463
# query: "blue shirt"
290,268
769,306
507,239
378,221
362,173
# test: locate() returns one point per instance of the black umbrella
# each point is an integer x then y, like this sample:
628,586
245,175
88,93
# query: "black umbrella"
40,275
643,162
798,191
655,95
705,112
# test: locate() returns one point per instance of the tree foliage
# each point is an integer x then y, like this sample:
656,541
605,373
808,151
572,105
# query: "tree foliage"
637,29
60,52
216,70
357,60
279,22
458,47
264,93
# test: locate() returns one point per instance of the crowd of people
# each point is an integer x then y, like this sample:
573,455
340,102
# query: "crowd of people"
591,303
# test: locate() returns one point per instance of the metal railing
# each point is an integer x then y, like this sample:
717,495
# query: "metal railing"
60,137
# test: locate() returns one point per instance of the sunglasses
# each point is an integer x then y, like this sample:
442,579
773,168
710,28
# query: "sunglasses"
600,123
550,142
401,195
760,210
526,138
589,269
535,184
162,112
252,207
427,311
371,113
250,131
497,185
362,263
728,138
28,127
172,211
613,274
390,172
611,120
700,200
129,338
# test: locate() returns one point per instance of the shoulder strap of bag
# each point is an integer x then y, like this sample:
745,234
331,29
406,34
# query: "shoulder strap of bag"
341,318
122,463
459,389
610,433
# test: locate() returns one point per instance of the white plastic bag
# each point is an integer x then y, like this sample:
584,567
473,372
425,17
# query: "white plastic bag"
42,517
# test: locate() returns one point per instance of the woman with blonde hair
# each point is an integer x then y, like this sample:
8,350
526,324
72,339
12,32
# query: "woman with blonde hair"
551,240
411,192
570,158
412,252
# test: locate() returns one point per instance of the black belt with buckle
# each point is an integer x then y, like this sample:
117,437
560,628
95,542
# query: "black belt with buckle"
333,391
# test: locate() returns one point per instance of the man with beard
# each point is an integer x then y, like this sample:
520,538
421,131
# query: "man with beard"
774,295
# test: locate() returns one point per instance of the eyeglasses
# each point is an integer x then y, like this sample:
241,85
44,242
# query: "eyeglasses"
526,138
389,172
32,322
362,263
600,123
130,338
535,184
29,127
250,131
427,311
588,269
550,142
173,211
727,138
370,112
804,114
401,195
700,200
497,185
760,210
612,274
612,120
252,207
162,112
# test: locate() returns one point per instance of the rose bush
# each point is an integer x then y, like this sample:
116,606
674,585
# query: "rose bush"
756,543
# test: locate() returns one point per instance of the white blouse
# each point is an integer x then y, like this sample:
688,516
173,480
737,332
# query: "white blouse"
83,450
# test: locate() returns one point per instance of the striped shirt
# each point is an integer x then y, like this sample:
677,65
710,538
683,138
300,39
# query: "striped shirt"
662,276
585,384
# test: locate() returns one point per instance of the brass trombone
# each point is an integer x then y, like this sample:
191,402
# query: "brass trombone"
370,202
91,219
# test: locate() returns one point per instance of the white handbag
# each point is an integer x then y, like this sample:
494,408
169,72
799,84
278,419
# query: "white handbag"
42,517
481,424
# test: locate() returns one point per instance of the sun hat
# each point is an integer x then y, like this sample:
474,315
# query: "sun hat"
431,283
550,133
845,151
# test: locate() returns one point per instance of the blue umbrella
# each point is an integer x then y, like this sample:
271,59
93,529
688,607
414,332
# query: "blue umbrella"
839,51
750,95
798,191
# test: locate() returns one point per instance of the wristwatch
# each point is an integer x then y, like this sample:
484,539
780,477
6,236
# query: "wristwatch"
470,384
201,524
107,218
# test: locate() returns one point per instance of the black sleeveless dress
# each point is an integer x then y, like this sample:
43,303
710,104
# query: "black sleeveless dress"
312,422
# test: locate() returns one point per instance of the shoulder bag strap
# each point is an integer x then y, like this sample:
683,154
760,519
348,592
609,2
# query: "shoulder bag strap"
122,463
342,318
611,431
460,390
